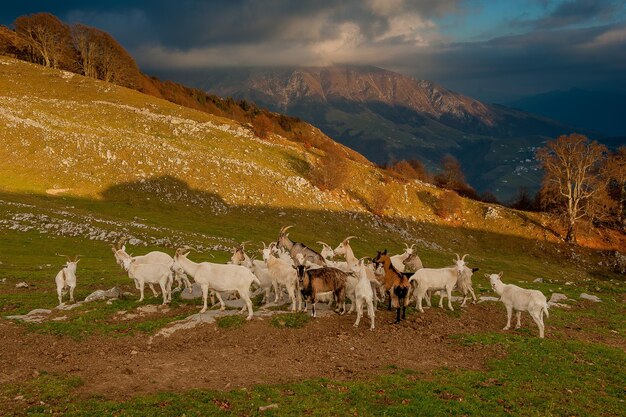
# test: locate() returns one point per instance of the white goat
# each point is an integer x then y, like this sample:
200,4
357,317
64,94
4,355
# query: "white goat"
437,279
344,249
154,257
463,284
66,278
407,259
282,272
151,274
363,294
217,277
520,299
258,268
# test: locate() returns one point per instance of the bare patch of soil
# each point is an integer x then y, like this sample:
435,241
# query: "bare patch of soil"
208,357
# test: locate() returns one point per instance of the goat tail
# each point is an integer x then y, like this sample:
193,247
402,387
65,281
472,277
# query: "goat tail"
544,309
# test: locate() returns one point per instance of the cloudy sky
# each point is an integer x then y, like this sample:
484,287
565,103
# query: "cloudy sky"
492,50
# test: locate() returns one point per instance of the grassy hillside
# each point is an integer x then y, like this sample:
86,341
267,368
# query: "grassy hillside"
84,162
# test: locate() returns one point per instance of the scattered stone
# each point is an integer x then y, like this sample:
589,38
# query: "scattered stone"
589,297
483,298
103,295
69,306
540,280
556,297
35,316
60,318
21,285
492,213
196,292
148,309
268,407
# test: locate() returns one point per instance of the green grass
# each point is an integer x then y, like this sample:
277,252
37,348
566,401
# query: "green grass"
230,322
534,378
290,320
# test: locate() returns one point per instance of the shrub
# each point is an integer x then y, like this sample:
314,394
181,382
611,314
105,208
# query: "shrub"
380,200
449,205
330,173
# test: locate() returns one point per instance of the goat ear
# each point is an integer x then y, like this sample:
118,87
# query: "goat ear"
487,276
385,252
124,248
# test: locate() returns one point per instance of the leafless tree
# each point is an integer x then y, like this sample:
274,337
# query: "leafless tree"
47,37
616,177
86,42
572,175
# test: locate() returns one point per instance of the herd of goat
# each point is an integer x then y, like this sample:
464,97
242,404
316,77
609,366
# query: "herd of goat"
310,276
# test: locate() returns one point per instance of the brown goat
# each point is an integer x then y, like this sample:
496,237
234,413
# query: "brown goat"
396,283
326,279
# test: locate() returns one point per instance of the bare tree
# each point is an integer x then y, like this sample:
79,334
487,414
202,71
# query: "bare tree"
86,42
47,37
572,167
616,176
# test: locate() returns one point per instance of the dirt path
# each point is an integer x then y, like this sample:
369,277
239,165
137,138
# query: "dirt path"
208,357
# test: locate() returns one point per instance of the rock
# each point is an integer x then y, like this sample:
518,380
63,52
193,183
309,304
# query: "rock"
556,297
589,297
69,306
483,298
35,316
268,407
21,285
196,292
148,309
538,280
103,295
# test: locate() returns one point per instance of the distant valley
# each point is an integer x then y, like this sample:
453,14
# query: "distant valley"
387,116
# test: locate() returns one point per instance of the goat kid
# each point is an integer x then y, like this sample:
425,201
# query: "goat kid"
66,278
363,293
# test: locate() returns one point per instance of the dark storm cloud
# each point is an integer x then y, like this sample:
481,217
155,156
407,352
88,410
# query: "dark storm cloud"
576,43
508,67
575,12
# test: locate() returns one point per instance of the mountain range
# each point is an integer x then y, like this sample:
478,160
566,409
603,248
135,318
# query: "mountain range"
388,116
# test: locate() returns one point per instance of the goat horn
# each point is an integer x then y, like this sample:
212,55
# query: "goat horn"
458,258
284,229
243,244
405,245
350,237
463,258
121,242
264,247
322,243
77,258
